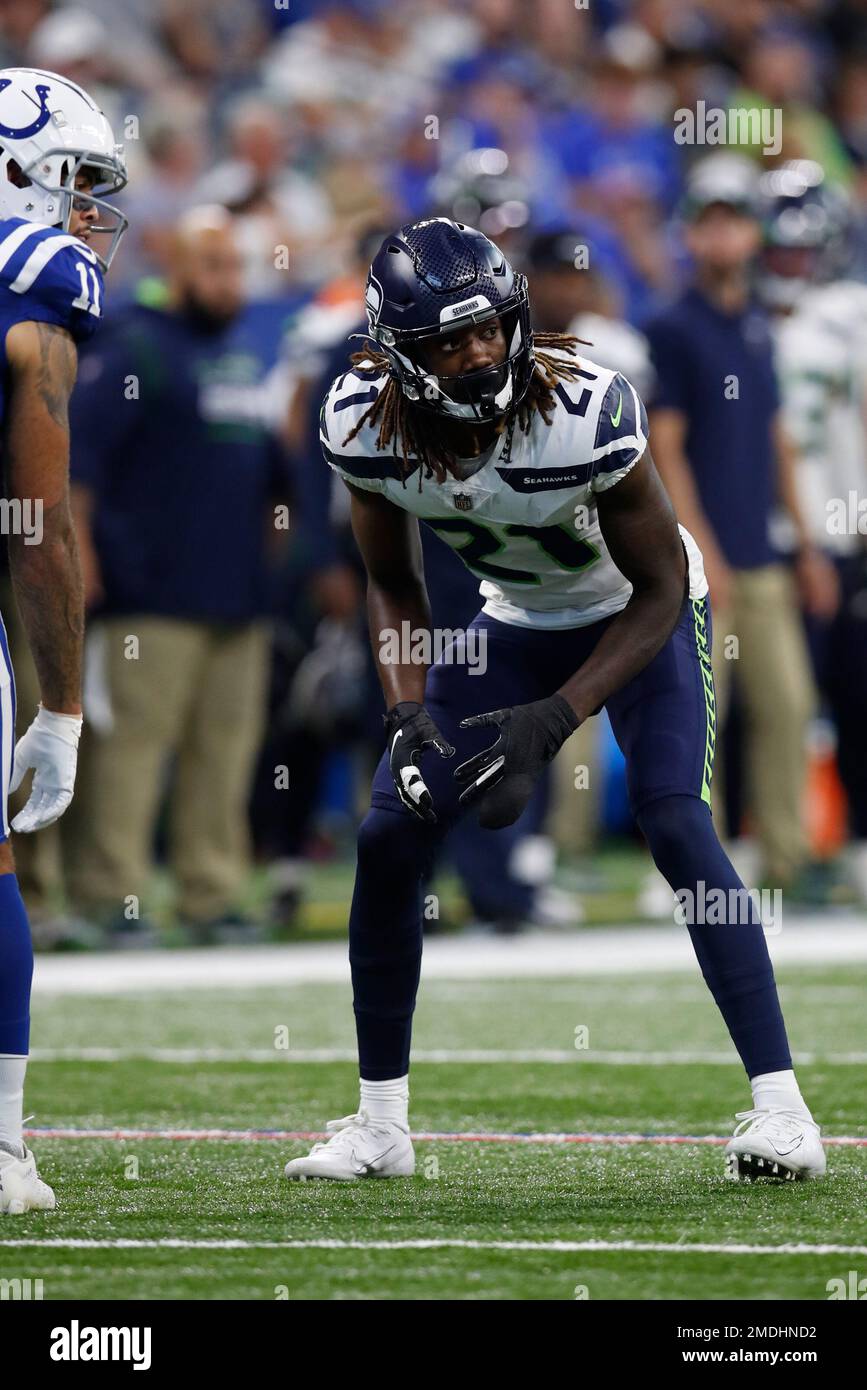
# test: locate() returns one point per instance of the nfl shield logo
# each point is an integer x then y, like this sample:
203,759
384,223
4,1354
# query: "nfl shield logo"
463,501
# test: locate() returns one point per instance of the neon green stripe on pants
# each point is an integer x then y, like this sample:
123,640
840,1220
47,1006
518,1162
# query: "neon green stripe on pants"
699,615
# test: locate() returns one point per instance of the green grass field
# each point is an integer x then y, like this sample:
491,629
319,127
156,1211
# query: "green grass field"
231,1194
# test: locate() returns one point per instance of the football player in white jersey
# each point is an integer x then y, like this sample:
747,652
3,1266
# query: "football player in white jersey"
820,331
532,462
820,323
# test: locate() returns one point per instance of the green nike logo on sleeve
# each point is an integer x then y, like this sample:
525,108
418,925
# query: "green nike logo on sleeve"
615,419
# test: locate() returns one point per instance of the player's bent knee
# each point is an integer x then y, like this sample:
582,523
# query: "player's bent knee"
390,840
678,831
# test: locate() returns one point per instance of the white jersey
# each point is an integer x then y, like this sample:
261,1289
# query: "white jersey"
526,522
821,354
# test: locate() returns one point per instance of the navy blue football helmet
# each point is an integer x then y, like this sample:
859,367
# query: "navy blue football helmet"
429,279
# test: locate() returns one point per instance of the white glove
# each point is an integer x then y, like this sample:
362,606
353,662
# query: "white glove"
50,747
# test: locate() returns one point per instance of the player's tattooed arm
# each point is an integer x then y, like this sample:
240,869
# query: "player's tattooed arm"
44,563
391,549
640,530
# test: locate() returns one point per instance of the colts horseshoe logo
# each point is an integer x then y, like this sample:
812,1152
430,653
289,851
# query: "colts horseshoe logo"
36,125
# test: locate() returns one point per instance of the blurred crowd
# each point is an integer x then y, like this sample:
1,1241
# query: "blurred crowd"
232,712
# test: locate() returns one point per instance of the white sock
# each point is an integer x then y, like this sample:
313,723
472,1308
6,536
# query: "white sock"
387,1100
12,1071
778,1090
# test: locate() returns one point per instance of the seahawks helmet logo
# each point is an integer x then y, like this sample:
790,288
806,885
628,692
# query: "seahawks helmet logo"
373,298
37,124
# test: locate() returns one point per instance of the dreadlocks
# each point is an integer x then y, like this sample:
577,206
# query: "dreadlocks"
412,431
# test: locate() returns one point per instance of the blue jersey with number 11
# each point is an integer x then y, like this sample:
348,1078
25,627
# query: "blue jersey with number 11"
47,276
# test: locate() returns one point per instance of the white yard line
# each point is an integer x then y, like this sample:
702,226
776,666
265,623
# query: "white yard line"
564,1246
255,1136
193,1056
536,955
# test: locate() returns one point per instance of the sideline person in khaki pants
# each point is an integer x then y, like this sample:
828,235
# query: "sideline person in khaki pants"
193,694
758,638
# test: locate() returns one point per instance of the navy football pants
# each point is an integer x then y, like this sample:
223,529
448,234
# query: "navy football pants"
664,723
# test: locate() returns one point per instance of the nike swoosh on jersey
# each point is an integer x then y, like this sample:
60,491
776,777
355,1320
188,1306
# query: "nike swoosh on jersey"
615,419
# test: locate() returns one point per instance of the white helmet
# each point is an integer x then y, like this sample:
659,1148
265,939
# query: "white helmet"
52,130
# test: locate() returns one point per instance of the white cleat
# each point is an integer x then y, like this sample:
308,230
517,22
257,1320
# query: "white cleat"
21,1188
779,1144
358,1148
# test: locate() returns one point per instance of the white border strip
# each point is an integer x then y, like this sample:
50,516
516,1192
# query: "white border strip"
639,951
565,1246
254,1136
192,1056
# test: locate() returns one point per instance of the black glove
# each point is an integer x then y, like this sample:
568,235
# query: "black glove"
501,777
410,731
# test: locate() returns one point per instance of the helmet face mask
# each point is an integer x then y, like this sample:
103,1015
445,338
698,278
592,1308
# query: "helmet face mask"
55,173
476,397
430,281
70,137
